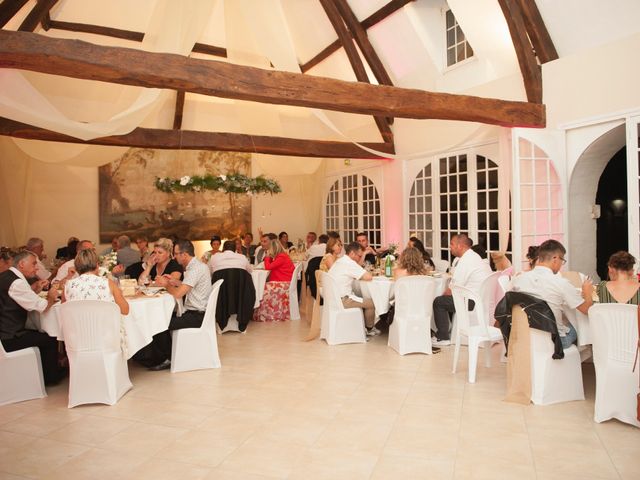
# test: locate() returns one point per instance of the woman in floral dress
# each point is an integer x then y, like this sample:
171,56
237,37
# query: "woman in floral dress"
274,306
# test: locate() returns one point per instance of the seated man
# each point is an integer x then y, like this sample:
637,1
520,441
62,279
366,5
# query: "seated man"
228,258
195,288
248,249
542,282
67,270
16,299
320,248
126,255
470,272
370,253
347,269
36,245
261,250
310,240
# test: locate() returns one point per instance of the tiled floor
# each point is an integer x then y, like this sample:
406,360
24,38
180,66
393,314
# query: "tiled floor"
283,408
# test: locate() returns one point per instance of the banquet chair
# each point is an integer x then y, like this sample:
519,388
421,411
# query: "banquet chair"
488,291
504,281
410,331
339,325
294,306
441,265
20,375
310,274
554,380
475,325
237,296
615,337
98,371
197,348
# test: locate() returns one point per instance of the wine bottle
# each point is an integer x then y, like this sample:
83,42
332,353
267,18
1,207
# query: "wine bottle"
387,266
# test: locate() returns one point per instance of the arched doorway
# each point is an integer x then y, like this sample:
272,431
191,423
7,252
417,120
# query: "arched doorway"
583,188
612,225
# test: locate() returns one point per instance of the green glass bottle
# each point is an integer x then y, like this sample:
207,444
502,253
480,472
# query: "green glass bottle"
387,266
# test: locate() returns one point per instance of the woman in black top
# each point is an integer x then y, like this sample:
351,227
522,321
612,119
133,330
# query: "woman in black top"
160,262
417,243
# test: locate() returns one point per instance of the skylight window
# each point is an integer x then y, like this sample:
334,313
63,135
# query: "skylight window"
458,48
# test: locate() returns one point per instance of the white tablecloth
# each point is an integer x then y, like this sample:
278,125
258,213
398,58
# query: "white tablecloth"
259,278
147,316
380,291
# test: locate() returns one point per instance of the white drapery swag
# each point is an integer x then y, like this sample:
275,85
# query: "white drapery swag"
174,28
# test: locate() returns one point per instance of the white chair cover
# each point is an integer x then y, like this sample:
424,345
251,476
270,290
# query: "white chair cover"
197,348
474,325
294,307
554,381
98,370
615,337
410,331
339,324
20,375
441,265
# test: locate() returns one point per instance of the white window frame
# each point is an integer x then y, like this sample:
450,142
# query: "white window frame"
358,207
456,45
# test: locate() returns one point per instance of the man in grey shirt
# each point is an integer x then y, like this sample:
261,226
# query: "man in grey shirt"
195,288
126,255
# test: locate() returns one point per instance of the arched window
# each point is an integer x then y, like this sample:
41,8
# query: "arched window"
456,193
540,198
353,205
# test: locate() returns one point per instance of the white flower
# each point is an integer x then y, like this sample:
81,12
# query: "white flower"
250,193
223,178
185,180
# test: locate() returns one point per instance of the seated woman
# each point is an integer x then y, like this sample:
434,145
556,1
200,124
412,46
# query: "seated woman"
161,262
623,286
415,242
411,262
89,286
332,252
215,243
274,306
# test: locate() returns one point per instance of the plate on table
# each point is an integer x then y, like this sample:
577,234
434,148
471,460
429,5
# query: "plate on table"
152,290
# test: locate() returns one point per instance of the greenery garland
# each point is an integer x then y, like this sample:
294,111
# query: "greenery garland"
230,183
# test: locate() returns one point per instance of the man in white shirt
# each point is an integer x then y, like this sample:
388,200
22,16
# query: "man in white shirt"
471,270
195,288
320,248
17,298
347,269
228,258
67,269
558,292
36,245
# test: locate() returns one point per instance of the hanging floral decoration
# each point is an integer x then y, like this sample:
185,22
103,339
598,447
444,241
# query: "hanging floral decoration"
230,183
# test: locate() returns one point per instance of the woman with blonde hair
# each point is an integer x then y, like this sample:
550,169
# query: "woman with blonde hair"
161,262
411,262
274,306
89,286
332,252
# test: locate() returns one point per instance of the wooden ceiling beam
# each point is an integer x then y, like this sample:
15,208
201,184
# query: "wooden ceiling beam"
354,59
8,10
177,116
128,35
194,140
376,17
538,33
531,72
361,38
37,14
78,59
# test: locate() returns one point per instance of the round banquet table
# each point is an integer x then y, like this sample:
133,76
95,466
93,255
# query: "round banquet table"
147,316
380,291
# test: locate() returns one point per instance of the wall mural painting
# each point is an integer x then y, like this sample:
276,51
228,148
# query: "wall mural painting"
130,203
